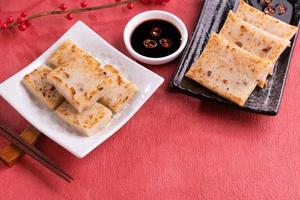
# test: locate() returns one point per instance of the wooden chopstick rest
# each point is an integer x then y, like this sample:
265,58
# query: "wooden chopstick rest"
10,154
33,152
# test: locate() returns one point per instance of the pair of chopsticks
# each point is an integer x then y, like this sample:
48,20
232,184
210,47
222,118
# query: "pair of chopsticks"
33,152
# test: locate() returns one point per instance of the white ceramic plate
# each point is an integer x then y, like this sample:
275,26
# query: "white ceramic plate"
14,93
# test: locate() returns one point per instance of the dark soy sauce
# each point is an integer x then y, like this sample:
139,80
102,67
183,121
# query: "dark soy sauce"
156,38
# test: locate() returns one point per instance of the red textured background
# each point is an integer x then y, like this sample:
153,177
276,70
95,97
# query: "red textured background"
175,147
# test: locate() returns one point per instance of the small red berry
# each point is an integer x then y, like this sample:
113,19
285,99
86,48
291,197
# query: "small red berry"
9,19
83,4
63,6
69,16
27,23
130,5
23,14
20,20
4,26
22,27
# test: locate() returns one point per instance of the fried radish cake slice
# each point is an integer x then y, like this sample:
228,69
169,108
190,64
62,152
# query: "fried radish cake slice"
82,85
260,43
87,122
67,53
265,21
227,70
36,83
122,93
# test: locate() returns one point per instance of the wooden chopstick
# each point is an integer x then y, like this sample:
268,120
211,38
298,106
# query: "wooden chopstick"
34,153
10,154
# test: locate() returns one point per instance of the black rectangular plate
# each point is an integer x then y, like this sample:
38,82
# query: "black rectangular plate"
214,12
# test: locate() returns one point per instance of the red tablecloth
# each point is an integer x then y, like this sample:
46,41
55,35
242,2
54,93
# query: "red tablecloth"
175,147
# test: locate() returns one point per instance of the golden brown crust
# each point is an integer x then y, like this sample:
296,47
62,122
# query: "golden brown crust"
68,53
233,76
123,91
86,122
262,44
80,86
37,84
265,22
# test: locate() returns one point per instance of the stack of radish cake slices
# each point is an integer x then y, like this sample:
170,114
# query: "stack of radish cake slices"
243,54
78,90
